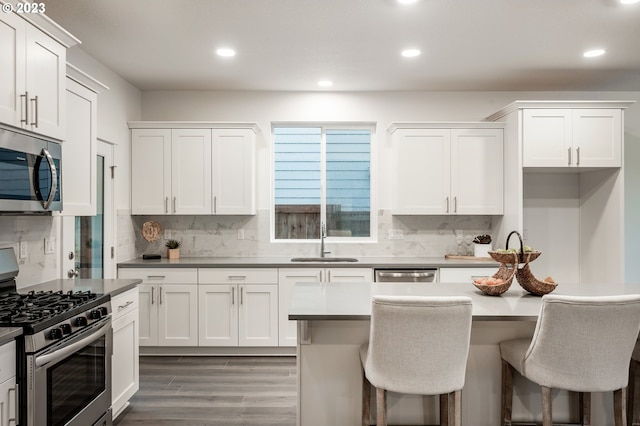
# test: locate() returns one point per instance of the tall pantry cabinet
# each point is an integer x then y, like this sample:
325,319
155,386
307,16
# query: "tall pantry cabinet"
564,186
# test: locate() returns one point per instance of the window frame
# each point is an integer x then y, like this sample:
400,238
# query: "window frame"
329,125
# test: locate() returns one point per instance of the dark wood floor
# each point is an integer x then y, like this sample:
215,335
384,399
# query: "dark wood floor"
197,391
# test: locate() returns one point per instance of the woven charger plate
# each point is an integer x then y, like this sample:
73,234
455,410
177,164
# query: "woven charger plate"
151,231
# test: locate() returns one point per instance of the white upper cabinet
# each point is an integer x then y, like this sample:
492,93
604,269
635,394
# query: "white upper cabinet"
32,90
233,171
202,170
79,181
439,170
565,137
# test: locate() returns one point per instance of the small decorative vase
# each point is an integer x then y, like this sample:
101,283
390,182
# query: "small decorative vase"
173,253
481,250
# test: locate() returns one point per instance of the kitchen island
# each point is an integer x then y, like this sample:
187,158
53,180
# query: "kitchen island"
333,321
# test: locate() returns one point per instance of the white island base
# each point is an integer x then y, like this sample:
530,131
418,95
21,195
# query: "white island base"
330,376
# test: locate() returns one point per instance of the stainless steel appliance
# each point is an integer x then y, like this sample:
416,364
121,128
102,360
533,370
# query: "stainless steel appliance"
64,354
427,275
30,174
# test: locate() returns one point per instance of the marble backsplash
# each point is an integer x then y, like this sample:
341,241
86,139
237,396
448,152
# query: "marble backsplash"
217,236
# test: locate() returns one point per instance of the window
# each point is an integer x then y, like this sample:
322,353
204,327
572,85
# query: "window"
322,174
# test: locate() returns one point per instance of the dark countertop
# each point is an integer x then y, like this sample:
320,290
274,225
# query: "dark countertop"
98,286
7,334
285,262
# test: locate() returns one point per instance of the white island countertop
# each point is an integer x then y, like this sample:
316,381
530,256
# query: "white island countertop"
352,301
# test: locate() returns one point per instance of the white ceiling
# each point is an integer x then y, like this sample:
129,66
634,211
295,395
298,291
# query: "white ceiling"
291,44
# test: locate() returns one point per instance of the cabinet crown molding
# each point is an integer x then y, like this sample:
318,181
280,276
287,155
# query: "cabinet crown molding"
513,106
444,125
194,125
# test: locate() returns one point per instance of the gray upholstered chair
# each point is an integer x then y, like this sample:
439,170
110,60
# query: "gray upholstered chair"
417,345
580,344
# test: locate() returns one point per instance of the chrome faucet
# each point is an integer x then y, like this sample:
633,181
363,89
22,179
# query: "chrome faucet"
323,235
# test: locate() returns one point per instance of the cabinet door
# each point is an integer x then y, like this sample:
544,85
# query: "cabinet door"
150,171
233,171
218,307
12,66
79,183
258,315
477,167
148,314
421,171
191,171
546,138
287,278
597,137
349,275
125,360
178,315
45,77
8,402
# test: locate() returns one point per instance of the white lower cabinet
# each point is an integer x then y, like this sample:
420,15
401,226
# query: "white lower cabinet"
464,275
125,377
168,305
8,387
288,277
238,307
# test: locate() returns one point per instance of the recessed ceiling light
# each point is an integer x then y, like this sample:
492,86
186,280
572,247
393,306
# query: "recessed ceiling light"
410,53
593,53
407,1
325,83
629,1
226,52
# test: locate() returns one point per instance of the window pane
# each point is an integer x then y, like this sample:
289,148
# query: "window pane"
297,186
348,183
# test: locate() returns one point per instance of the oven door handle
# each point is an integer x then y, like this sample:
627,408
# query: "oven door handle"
65,351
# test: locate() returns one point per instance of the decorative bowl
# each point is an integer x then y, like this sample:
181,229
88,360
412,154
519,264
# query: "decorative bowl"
506,274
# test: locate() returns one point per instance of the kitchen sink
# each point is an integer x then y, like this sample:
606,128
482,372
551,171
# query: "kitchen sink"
324,259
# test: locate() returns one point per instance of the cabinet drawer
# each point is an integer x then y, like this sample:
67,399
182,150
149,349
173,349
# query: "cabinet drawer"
124,303
238,276
161,275
7,361
463,275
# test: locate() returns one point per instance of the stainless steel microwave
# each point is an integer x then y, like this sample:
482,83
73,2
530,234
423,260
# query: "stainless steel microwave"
30,174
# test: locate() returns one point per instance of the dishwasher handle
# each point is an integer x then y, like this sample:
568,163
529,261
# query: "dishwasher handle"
409,275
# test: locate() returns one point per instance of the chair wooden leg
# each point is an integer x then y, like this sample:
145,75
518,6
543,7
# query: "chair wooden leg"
444,409
507,392
584,399
366,400
620,407
633,395
546,406
381,407
455,409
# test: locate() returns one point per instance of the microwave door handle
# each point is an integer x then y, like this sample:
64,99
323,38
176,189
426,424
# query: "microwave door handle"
54,179
64,352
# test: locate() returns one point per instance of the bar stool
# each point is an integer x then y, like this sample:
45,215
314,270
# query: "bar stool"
580,344
417,345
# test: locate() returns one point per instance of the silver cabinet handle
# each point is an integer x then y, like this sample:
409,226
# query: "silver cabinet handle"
241,295
166,204
156,277
215,204
329,276
26,108
447,204
125,305
152,293
577,156
160,298
174,204
237,277
233,295
569,154
455,204
320,276
35,101
15,419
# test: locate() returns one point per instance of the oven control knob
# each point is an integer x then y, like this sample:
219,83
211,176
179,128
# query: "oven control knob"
81,321
55,333
66,328
103,311
95,314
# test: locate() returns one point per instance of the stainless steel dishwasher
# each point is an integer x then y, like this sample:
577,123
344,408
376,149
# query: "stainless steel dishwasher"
421,275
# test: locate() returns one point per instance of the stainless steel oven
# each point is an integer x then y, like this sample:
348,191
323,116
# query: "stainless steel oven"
69,383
